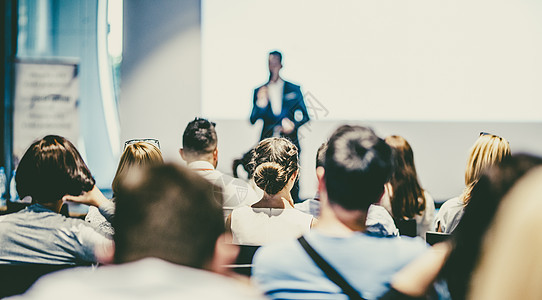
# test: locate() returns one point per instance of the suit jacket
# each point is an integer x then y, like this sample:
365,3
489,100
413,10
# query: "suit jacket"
293,108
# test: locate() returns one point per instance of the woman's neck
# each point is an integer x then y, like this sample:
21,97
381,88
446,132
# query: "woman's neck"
282,199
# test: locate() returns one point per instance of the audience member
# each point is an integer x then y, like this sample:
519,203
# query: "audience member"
169,234
407,199
200,151
312,206
511,265
357,166
488,150
273,218
137,153
465,246
379,221
479,213
51,168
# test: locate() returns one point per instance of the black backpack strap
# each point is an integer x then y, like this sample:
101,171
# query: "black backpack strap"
330,272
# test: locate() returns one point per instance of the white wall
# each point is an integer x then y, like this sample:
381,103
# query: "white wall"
440,148
161,93
161,71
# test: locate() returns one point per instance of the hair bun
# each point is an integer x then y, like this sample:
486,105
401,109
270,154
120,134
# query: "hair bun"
270,177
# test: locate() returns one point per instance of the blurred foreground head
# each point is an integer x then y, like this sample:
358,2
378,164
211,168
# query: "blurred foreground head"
167,212
511,264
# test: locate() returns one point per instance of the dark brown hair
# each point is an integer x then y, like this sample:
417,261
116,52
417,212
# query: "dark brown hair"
408,199
51,168
200,137
358,163
274,161
168,212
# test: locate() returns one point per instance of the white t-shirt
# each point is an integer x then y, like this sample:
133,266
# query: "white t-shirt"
260,226
449,215
235,191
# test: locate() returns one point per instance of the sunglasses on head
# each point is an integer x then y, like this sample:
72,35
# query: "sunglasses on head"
491,134
154,142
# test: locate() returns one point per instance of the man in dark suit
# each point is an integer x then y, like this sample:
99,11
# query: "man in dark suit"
279,104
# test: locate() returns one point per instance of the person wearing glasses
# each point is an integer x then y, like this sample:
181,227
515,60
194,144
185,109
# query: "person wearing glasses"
487,151
200,152
137,153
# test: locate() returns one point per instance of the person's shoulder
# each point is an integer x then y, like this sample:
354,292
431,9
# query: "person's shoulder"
451,204
275,253
55,285
290,85
409,248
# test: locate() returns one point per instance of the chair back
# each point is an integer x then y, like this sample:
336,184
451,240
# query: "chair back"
436,237
407,227
243,263
15,279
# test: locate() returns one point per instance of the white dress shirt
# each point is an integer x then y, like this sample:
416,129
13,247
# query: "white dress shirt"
236,192
275,91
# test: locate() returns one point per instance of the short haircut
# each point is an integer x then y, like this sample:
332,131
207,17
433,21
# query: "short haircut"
274,161
358,164
277,54
139,154
321,155
51,168
167,212
199,137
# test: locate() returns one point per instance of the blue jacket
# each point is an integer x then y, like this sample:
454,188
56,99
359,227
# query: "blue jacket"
293,106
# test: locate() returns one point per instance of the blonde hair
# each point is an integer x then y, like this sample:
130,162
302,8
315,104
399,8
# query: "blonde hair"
487,151
511,266
140,154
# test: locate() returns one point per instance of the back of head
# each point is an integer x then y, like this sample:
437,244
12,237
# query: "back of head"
51,168
274,161
199,137
488,150
139,154
167,212
358,164
321,155
408,198
511,266
487,194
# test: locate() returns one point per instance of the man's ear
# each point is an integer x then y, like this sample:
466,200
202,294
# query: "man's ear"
320,174
225,254
181,152
294,176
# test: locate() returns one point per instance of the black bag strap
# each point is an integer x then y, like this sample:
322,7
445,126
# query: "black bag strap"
330,272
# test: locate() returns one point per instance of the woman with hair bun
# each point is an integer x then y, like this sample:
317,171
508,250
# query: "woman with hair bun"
275,164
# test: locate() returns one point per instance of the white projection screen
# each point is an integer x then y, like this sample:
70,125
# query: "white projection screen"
425,60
